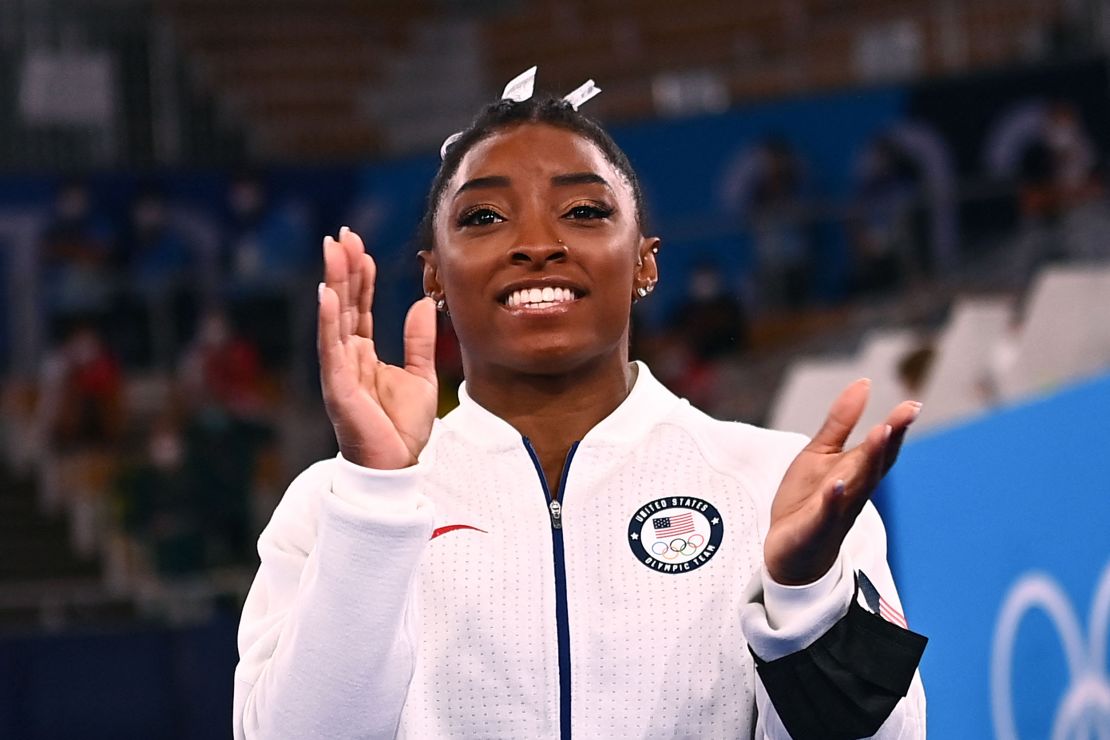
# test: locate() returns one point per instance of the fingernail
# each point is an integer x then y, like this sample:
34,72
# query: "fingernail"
343,231
917,406
886,433
320,293
328,240
839,487
865,381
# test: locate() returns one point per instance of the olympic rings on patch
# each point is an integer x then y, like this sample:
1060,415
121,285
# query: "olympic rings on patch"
678,547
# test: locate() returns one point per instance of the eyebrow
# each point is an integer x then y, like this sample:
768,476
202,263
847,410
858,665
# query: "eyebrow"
494,181
579,178
500,181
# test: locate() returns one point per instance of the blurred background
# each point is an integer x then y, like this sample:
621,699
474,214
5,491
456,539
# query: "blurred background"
913,191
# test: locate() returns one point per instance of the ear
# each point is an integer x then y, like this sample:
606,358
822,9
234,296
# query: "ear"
647,266
430,261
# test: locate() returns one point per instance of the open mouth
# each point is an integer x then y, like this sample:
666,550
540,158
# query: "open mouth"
538,298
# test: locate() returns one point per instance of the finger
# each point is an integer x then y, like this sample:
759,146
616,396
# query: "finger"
876,446
853,481
336,277
353,249
420,340
365,358
365,326
900,419
843,417
354,267
329,343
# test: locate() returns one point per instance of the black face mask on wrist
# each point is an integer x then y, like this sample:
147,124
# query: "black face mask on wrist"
847,683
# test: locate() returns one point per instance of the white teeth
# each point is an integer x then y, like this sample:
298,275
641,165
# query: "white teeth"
539,297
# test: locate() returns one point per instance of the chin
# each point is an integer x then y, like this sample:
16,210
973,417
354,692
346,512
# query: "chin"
557,356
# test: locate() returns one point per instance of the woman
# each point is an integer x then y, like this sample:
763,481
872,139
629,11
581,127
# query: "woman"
573,550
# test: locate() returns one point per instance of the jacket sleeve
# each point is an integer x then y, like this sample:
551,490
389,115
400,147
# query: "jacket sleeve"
327,640
828,664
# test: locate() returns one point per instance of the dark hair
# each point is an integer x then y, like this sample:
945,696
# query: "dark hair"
504,114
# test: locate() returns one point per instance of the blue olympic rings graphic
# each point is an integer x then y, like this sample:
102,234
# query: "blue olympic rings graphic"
1085,709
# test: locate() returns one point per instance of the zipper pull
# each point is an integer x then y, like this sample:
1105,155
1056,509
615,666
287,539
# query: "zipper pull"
556,514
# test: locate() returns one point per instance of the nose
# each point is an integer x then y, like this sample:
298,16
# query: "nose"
539,253
537,245
536,241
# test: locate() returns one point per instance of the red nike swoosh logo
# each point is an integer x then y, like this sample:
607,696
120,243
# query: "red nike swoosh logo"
453,527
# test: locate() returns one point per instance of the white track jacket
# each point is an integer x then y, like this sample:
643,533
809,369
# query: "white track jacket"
458,599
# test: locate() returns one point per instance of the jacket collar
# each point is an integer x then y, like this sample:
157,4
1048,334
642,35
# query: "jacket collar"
647,404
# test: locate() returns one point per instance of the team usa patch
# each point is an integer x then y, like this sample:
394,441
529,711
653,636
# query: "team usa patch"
675,534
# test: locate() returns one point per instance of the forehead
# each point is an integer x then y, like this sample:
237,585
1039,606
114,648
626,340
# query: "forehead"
536,150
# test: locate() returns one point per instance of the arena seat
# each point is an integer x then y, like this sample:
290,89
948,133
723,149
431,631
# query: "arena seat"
1065,333
810,387
878,359
959,384
805,394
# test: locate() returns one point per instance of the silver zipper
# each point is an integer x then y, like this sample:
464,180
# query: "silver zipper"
556,514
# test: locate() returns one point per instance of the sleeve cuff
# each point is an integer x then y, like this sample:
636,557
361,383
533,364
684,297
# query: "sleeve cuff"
778,620
787,604
382,491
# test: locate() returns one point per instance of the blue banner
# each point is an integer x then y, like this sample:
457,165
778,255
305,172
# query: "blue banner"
1003,559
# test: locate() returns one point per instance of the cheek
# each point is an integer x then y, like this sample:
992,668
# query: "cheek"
621,262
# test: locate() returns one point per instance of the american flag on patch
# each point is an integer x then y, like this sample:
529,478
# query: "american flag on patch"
871,600
672,526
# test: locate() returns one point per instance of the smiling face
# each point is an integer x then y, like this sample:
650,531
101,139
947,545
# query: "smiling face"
538,253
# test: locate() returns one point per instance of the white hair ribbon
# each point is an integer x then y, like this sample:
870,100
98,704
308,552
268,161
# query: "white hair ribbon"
520,88
581,94
448,142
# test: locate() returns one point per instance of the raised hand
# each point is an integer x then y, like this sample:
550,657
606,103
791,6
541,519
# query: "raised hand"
826,486
382,414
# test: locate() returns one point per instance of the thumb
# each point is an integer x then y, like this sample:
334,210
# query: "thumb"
844,414
420,340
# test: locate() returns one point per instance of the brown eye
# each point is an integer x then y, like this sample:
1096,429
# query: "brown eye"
588,212
480,217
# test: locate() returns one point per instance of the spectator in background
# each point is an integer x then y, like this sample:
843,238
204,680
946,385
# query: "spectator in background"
223,369
1058,171
267,241
882,227
77,253
154,252
227,428
160,509
707,327
158,305
776,214
82,392
81,409
711,319
914,368
266,255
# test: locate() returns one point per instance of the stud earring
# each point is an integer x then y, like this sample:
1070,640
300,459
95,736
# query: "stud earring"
441,305
642,291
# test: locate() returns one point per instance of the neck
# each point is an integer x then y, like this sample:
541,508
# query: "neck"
553,411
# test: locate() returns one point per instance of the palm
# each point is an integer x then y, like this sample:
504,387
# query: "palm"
826,487
382,414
